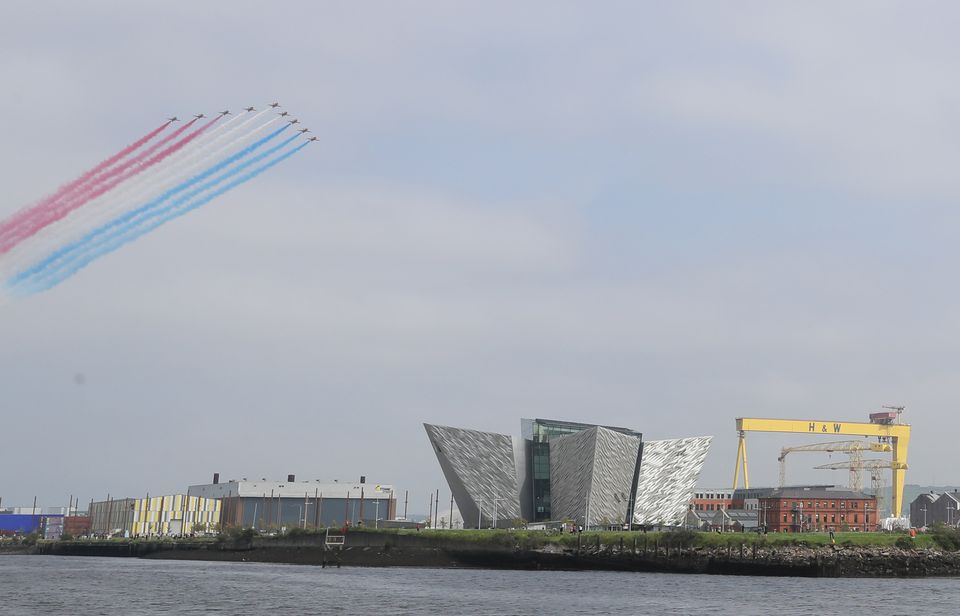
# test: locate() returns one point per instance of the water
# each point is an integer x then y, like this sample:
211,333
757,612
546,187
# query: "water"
88,586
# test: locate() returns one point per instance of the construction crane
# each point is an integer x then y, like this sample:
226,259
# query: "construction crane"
855,450
876,475
885,426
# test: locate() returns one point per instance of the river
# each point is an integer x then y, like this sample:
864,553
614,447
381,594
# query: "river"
83,586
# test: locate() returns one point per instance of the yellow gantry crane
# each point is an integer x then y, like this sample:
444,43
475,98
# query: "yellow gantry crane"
876,478
885,426
854,449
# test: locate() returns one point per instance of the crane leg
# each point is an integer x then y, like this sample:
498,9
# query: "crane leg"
741,457
746,475
899,473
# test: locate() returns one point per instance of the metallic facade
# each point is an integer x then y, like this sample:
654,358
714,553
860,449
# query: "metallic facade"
112,516
535,493
592,475
668,474
481,472
597,476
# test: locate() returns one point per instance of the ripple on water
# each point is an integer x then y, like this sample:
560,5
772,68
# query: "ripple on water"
87,586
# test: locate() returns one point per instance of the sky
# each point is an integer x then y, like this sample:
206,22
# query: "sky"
661,216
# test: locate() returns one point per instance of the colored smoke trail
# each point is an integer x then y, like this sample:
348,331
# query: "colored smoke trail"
55,279
42,216
136,160
60,258
17,219
50,215
180,163
194,158
105,207
144,187
158,177
113,172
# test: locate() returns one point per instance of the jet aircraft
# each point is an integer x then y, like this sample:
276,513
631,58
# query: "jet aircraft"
225,112
249,109
312,139
274,105
294,121
199,115
172,119
304,130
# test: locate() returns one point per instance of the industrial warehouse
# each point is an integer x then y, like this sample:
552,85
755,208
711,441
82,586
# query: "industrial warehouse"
206,509
274,504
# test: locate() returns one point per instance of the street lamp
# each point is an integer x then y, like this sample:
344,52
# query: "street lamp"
376,516
480,514
924,510
496,509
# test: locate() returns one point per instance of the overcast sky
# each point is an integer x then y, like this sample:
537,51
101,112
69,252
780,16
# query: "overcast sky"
660,217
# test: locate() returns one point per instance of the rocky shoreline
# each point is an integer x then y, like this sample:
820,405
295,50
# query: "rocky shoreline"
392,550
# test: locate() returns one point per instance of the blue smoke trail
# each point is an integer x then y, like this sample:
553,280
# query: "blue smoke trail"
123,223
55,279
119,231
80,243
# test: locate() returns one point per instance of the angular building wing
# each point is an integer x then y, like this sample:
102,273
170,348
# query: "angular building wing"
481,472
668,474
592,473
597,476
536,482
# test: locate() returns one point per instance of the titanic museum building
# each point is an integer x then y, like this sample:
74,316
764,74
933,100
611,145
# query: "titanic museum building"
596,476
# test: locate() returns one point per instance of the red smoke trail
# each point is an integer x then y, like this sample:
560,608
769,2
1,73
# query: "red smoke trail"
17,219
136,160
58,211
44,208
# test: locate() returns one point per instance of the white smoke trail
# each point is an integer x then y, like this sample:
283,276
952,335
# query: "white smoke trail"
192,186
149,184
122,233
135,189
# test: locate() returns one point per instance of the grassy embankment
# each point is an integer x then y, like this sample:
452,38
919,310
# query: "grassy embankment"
537,539
941,538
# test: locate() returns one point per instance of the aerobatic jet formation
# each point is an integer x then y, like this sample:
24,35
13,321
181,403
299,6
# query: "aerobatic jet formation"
48,253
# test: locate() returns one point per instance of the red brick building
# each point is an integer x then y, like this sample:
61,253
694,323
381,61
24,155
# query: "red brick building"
793,510
76,525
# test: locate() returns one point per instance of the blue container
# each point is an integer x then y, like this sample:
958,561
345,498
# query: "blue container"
19,523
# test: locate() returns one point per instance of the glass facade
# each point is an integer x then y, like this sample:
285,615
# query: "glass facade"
539,432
